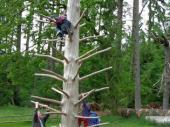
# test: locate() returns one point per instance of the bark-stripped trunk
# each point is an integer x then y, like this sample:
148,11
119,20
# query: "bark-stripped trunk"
136,54
167,80
71,53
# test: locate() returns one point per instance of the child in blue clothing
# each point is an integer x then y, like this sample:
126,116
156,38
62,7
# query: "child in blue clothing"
86,111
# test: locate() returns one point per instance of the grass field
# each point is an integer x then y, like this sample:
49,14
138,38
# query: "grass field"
115,121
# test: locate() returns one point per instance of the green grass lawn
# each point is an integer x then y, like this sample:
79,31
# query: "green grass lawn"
115,121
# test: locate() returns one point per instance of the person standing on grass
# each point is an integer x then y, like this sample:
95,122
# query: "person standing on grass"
39,120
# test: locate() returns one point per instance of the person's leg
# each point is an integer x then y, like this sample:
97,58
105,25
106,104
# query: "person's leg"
65,27
59,32
68,26
79,122
85,122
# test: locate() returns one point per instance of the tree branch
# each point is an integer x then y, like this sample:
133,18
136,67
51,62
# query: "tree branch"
156,83
48,107
55,74
87,53
40,104
47,99
94,73
80,19
91,55
60,54
77,73
82,25
51,57
90,37
143,7
101,89
51,40
86,117
42,21
95,90
88,94
60,92
100,124
49,75
161,39
54,113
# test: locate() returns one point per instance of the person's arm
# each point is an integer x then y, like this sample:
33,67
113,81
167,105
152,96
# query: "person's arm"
44,119
35,118
53,23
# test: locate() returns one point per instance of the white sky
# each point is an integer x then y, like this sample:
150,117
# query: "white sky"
144,15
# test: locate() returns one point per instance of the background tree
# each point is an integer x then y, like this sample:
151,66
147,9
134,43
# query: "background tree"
136,54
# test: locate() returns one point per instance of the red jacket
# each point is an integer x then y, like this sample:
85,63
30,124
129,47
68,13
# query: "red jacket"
60,20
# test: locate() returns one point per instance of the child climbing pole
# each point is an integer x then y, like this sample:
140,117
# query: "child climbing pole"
86,111
39,120
63,26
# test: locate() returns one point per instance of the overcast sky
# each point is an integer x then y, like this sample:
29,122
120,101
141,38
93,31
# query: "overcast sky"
144,15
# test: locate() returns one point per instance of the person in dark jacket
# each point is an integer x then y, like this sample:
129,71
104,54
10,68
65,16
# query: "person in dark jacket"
63,26
39,120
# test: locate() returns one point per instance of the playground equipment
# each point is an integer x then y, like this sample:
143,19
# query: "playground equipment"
72,62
